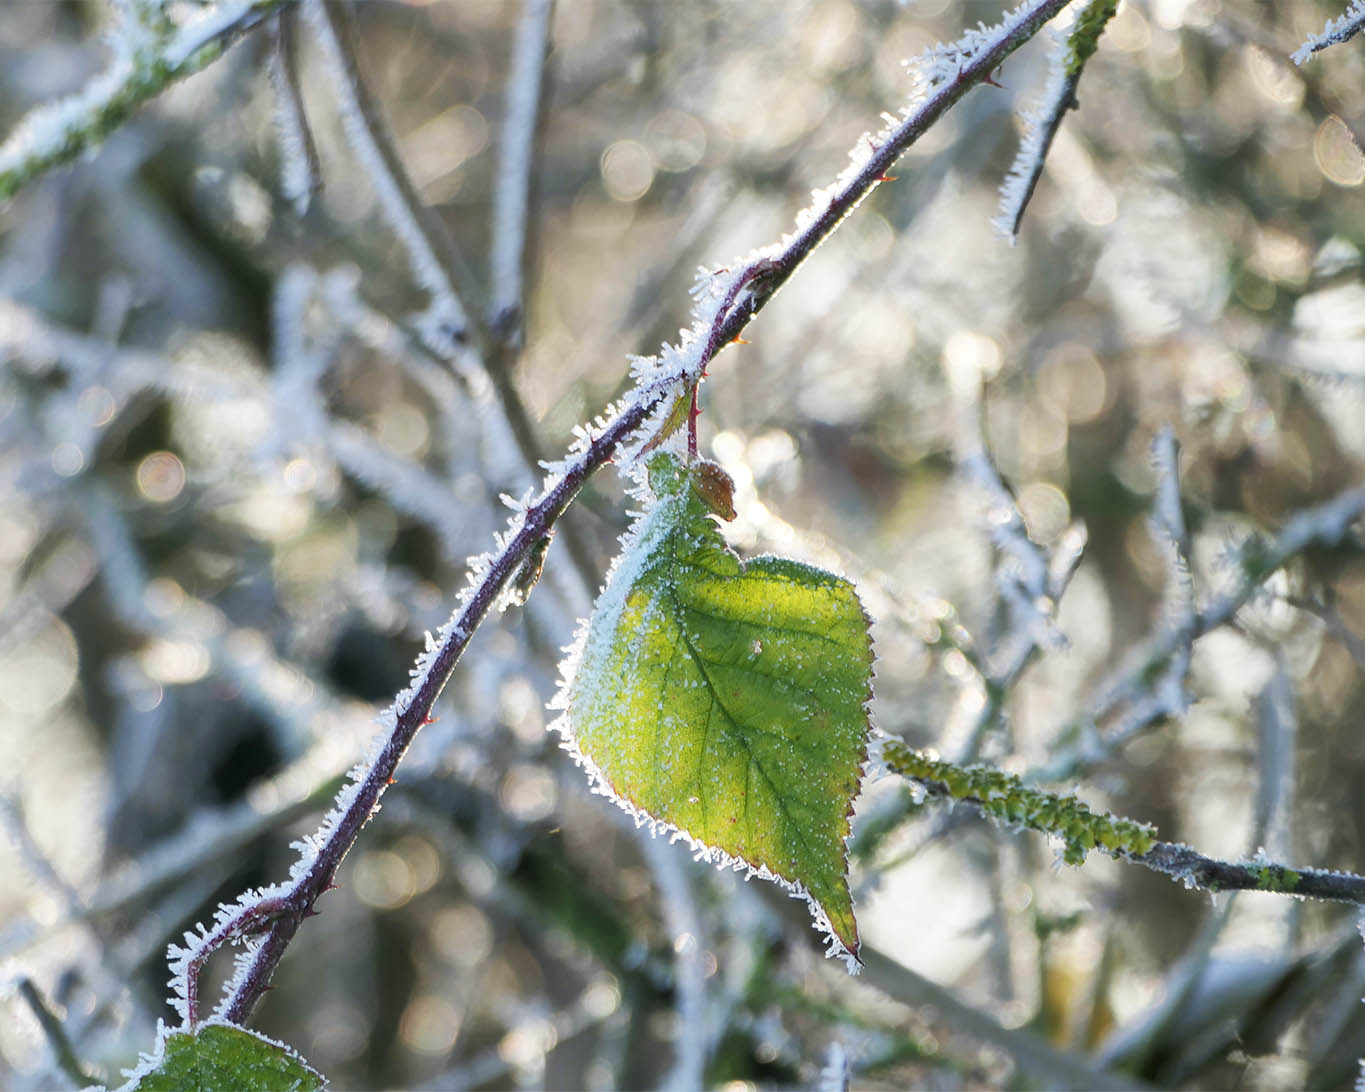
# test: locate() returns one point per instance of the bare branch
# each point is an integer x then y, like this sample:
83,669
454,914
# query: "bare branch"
512,195
65,1054
300,173
431,255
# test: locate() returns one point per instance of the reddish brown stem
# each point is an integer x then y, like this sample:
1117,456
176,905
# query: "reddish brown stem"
761,280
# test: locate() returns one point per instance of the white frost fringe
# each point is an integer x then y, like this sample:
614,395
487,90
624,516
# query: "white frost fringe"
655,519
1338,30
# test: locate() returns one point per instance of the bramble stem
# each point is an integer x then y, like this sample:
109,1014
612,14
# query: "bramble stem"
747,293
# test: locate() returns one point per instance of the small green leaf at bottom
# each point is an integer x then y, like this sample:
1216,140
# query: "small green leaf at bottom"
727,700
225,1058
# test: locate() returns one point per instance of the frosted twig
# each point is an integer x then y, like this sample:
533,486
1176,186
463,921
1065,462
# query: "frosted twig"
429,250
112,971
1330,618
1178,989
448,331
1341,29
834,1073
1030,581
1243,27
512,195
1165,694
300,174
1069,55
301,359
142,67
692,1044
409,487
489,1065
1325,524
63,1052
1275,760
40,867
1050,1065
725,305
1193,869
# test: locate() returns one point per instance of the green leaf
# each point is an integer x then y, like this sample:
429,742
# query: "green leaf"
225,1058
727,700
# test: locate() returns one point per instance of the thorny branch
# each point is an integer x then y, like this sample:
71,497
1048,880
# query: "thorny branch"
278,914
751,287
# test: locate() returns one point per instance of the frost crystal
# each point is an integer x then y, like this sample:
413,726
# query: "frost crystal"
1040,125
1341,29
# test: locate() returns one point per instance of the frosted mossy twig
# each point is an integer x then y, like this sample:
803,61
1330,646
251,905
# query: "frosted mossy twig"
1071,50
1341,29
726,304
1008,800
144,65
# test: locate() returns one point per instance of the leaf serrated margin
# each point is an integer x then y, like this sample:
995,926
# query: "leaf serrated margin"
655,523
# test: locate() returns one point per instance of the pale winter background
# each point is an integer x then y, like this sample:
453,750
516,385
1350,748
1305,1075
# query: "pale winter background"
236,491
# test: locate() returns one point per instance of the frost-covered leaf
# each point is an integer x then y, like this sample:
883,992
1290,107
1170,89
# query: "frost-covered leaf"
727,700
224,1058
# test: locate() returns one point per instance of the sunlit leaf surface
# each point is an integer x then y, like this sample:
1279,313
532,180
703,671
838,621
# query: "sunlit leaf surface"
220,1058
727,699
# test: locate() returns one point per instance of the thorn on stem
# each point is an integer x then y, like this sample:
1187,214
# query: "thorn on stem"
692,415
